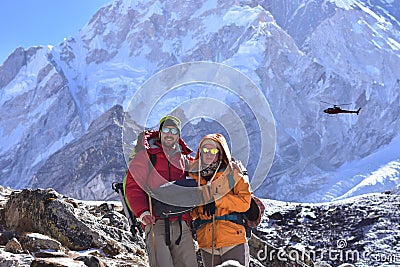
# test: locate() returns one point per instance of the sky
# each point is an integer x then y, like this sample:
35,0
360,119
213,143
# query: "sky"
29,23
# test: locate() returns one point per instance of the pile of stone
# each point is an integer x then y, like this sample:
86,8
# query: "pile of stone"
43,228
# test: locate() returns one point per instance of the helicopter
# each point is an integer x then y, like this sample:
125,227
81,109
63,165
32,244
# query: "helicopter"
336,109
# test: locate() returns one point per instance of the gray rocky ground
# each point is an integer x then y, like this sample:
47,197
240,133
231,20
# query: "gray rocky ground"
44,228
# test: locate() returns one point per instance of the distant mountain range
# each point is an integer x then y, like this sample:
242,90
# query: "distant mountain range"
62,108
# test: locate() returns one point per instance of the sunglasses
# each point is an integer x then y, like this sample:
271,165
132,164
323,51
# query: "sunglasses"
172,130
213,151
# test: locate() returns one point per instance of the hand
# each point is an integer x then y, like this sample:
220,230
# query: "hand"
146,218
209,209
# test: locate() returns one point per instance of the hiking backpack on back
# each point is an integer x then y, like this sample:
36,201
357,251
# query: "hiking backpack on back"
252,217
120,187
138,147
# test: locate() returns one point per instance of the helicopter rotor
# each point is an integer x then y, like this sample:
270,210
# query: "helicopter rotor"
336,105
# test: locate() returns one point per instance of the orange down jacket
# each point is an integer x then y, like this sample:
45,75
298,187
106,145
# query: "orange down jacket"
226,233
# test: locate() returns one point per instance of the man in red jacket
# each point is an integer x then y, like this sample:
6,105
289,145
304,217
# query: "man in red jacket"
173,247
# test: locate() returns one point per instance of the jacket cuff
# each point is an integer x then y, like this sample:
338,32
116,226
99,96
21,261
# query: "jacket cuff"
142,215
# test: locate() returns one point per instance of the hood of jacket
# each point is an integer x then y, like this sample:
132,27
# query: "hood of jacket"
220,140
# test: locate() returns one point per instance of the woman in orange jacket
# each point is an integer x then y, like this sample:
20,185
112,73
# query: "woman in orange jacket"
220,234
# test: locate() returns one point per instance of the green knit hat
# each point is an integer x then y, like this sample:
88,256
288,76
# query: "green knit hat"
170,120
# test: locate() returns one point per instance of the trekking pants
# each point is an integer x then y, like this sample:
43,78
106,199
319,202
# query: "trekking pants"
182,255
238,253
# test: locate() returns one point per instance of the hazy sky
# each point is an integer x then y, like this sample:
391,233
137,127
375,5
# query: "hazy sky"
28,23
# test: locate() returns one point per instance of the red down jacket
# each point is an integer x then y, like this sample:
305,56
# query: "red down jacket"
168,167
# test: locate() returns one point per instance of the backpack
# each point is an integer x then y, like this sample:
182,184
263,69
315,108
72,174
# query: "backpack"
138,147
252,217
120,187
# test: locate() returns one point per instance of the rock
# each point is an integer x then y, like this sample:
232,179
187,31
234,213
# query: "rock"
57,262
322,264
295,238
49,213
230,263
50,254
53,228
34,242
6,236
91,261
276,216
8,259
13,246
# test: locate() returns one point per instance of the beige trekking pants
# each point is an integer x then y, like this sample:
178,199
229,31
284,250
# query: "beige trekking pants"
238,253
182,255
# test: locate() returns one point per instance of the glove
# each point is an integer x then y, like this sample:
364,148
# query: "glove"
209,209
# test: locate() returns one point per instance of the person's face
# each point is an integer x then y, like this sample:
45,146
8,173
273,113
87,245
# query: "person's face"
209,153
169,136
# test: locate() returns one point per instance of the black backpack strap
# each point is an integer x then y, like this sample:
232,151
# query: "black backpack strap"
152,158
235,217
167,232
180,230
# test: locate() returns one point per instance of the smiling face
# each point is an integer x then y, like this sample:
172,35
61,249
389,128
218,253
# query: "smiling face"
169,136
209,153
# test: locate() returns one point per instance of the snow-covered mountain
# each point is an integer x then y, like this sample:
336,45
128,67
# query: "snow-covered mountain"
60,107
